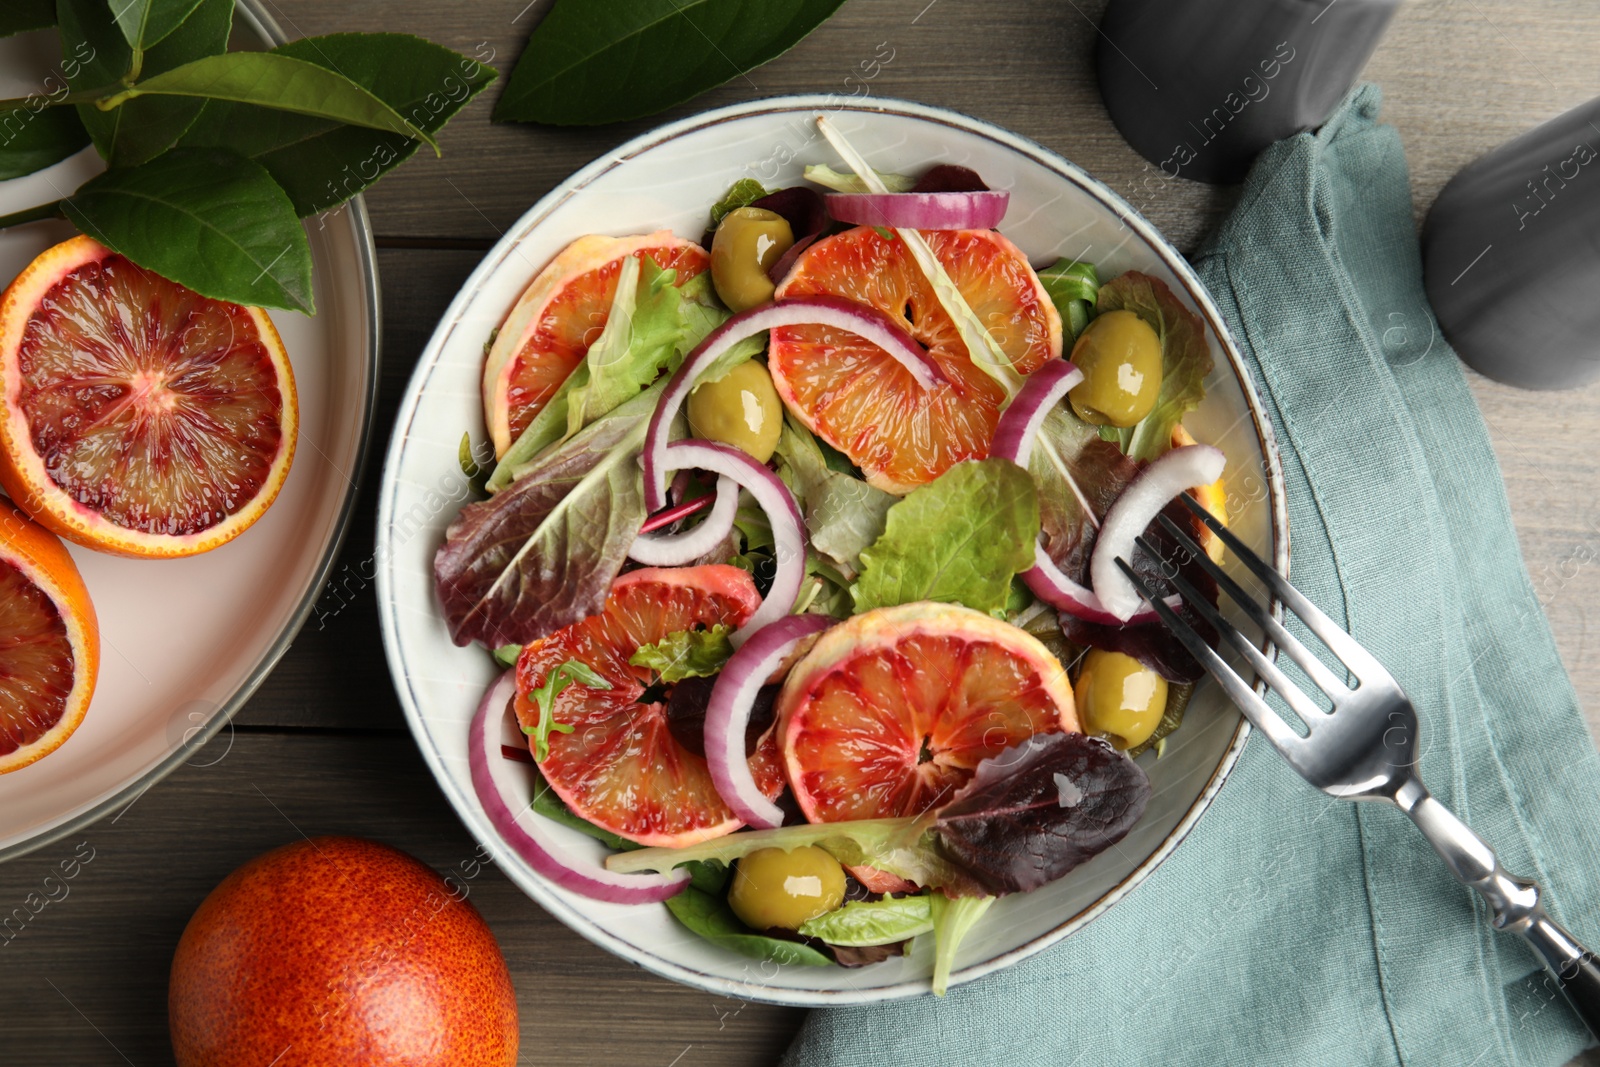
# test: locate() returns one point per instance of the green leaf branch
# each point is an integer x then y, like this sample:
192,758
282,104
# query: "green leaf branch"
213,157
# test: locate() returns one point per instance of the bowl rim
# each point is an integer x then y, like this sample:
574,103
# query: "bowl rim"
467,806
265,27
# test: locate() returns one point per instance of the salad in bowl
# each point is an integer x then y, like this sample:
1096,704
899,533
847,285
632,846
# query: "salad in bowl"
791,550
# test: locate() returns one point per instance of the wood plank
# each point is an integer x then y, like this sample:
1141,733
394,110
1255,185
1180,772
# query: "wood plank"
84,980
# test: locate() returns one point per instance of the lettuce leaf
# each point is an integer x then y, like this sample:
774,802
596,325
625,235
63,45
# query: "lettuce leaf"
1185,356
710,917
865,923
687,653
958,539
741,193
825,176
543,553
953,919
843,514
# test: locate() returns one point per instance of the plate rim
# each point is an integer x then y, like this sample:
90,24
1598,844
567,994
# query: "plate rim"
466,805
267,28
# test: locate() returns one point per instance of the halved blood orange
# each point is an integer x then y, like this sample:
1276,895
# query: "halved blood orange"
560,314
864,403
621,768
49,642
140,418
891,711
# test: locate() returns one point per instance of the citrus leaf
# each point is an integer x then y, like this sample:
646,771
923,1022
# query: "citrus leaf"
94,55
20,16
32,140
597,61
147,22
211,220
321,163
276,81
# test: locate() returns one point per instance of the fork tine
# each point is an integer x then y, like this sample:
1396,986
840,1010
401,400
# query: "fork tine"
1315,669
1360,662
1302,705
1239,691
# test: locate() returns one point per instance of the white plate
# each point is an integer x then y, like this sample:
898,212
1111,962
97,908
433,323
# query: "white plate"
185,642
668,178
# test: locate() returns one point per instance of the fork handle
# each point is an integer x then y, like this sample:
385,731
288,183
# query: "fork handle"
1514,902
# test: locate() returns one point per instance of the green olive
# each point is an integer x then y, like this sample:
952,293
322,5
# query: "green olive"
740,409
748,242
773,887
1120,356
1119,697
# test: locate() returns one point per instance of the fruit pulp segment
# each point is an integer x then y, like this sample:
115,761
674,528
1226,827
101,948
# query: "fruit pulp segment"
36,661
148,403
896,730
621,768
570,323
865,403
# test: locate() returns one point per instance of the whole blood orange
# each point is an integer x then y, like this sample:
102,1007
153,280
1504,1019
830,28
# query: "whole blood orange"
341,951
139,418
861,400
49,642
561,313
892,710
621,768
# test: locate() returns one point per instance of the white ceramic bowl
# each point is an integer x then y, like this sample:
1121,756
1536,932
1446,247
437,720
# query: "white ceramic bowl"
185,642
669,178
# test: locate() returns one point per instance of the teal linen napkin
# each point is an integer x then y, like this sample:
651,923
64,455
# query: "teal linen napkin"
1289,928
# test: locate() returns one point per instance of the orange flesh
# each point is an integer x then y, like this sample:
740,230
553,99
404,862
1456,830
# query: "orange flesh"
571,322
894,731
148,403
621,768
36,662
863,402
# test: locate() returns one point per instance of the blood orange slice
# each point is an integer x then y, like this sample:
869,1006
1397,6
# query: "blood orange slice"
49,642
891,711
860,400
139,417
560,314
621,768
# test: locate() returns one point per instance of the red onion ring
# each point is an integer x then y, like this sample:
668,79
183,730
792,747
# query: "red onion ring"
728,714
1136,508
976,210
774,498
676,512
677,550
502,785
860,319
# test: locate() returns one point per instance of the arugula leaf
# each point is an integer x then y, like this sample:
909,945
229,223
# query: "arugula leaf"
864,923
596,61
684,654
207,219
1185,356
711,918
958,539
952,921
741,193
843,514
94,54
32,140
147,22
543,553
275,80
507,655
544,698
825,176
20,16
321,163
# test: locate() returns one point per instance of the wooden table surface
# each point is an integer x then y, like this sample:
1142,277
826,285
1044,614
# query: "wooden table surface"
322,747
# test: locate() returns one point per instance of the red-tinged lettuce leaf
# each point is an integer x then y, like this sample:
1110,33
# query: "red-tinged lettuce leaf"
949,178
800,207
543,553
1185,356
1039,809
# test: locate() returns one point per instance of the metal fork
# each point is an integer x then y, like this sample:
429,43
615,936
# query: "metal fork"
1365,747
